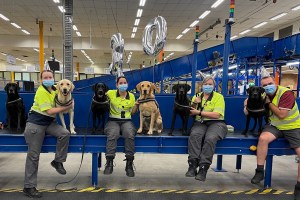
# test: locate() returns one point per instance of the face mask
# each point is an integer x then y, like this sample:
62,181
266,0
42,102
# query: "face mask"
270,89
207,89
123,87
48,83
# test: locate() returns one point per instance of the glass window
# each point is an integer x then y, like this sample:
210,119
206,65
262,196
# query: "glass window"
26,76
90,76
82,76
58,77
7,75
34,77
18,76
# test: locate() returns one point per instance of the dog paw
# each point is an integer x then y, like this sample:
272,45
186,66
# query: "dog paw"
159,131
140,130
150,132
73,132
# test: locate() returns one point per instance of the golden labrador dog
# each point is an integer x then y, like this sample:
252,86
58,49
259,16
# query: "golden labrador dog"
148,108
64,98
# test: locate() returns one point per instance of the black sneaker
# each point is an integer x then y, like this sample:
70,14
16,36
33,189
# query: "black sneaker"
297,193
59,167
32,192
259,176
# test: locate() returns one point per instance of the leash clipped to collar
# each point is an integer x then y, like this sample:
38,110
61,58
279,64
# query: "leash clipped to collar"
57,102
98,102
183,106
9,102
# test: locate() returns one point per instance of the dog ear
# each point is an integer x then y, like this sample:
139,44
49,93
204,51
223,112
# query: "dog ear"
188,87
94,87
174,88
153,87
106,88
72,87
58,85
138,87
6,87
18,86
248,89
262,89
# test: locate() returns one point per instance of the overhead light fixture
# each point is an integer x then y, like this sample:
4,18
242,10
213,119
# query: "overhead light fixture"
171,54
296,8
15,25
136,22
178,37
3,53
3,17
132,35
233,37
56,1
26,32
292,63
244,32
82,51
260,25
78,33
185,30
139,13
278,16
232,67
204,14
194,23
134,29
217,3
36,50
75,28
142,3
130,53
61,8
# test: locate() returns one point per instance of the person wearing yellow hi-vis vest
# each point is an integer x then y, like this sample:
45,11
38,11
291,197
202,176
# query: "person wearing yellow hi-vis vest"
208,109
284,121
122,106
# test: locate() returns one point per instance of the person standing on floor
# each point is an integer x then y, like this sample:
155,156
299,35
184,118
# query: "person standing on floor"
41,121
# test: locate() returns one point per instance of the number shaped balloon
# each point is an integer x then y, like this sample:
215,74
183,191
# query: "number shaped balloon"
117,45
160,25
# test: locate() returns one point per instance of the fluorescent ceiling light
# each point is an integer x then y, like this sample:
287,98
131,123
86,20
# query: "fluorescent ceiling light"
178,37
217,3
233,37
26,32
204,14
75,28
3,53
15,25
36,50
244,32
56,1
292,63
130,53
261,24
134,29
142,2
78,33
3,17
232,67
136,22
171,54
82,51
132,35
296,8
139,13
61,8
185,30
278,16
194,23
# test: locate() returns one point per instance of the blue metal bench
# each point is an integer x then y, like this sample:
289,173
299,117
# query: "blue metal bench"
95,144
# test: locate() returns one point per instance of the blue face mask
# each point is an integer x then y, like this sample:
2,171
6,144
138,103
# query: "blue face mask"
270,89
48,83
207,89
123,87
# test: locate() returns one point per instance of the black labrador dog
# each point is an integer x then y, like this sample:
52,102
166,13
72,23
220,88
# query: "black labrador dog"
100,105
257,109
181,106
15,109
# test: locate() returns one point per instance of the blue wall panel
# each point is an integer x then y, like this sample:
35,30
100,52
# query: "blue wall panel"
180,66
201,60
147,74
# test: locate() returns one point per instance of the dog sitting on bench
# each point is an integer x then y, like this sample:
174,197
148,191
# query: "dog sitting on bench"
15,108
100,105
255,108
181,106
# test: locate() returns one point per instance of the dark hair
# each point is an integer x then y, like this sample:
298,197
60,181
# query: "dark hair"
46,70
117,81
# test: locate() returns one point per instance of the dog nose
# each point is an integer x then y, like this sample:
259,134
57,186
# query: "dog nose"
145,91
65,90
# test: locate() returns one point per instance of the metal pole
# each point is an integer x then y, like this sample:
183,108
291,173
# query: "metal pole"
194,66
41,34
68,39
298,84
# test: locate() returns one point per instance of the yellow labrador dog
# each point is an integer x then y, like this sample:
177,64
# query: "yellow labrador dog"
148,108
64,98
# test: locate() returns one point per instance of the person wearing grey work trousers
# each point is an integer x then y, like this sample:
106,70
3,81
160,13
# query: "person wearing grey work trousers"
41,121
209,127
122,106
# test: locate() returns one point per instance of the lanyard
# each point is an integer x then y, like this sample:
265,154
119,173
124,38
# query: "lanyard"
208,99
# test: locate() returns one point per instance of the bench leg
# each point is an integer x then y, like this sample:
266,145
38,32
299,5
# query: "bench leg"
219,164
238,164
95,169
99,160
268,172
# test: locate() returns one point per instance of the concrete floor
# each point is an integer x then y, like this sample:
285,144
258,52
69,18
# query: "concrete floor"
153,171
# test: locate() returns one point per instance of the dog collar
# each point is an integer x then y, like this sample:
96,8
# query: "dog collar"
182,105
9,102
98,102
257,110
62,104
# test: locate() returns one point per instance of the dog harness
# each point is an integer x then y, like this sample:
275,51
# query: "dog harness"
148,100
14,101
183,106
57,102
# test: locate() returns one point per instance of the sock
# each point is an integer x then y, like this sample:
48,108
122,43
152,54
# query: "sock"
260,167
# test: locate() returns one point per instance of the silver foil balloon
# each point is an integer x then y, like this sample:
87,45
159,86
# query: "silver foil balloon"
117,45
160,25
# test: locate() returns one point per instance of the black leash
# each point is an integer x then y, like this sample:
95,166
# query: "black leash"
14,101
200,104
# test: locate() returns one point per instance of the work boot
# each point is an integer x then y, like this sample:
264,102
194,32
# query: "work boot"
192,171
259,176
109,166
201,175
129,166
297,192
32,192
59,167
